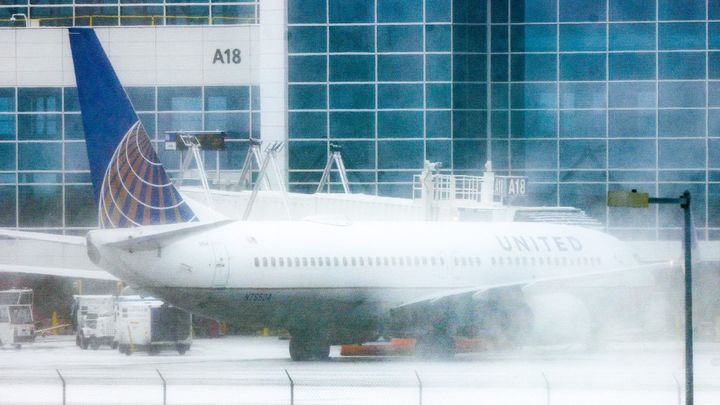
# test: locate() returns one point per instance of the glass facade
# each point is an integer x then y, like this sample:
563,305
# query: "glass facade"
49,13
581,96
44,175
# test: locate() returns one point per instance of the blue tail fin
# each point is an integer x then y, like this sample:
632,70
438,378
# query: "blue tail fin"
129,182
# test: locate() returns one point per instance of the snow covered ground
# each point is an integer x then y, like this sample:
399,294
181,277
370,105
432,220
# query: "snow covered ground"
252,370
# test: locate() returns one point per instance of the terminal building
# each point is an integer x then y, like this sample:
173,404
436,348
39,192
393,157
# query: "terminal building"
580,96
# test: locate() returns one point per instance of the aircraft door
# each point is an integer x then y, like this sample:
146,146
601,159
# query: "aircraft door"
222,265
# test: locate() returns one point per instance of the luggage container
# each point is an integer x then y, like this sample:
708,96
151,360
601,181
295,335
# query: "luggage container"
150,325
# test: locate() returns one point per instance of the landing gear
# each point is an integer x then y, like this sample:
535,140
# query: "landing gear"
181,348
305,346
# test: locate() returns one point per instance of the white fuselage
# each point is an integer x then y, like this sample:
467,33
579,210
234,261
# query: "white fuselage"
253,270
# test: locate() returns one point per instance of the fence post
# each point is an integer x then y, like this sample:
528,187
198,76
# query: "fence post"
63,384
164,383
679,389
420,387
292,388
547,389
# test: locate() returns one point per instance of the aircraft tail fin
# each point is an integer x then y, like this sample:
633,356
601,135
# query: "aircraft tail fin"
129,182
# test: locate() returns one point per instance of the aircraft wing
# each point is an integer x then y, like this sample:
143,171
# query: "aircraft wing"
468,295
47,254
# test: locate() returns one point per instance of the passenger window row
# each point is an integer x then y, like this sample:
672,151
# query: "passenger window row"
345,261
546,261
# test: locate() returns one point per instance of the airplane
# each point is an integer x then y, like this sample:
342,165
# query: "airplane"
326,282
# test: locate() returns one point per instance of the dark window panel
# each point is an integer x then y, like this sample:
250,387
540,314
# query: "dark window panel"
582,123
307,125
632,10
7,99
399,38
469,124
40,99
582,37
96,16
233,14
681,9
678,123
469,68
469,96
681,94
500,124
437,38
352,96
7,201
632,37
582,95
7,156
437,67
73,126
346,124
307,39
631,66
307,155
499,38
635,123
682,65
235,124
352,68
439,151
533,11
39,126
469,11
582,154
534,154
400,124
307,69
713,122
399,10
681,36
179,99
187,15
438,96
40,156
714,65
358,155
400,96
437,124
437,10
352,38
714,35
469,38
500,96
307,97
7,127
529,67
142,98
352,11
631,153
582,10
400,67
233,156
52,16
223,98
400,154
533,38
681,153
306,11
533,95
579,66
76,156
533,124
80,206
499,11
632,95
142,15
41,206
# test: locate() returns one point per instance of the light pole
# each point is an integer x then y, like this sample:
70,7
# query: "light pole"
634,199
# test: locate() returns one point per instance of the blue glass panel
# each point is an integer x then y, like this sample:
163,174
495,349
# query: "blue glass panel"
439,151
349,11
468,154
79,206
533,95
632,66
7,127
352,96
255,121
469,11
76,156
400,124
142,98
631,153
148,121
714,9
630,37
7,156
186,15
530,67
358,155
236,125
400,96
39,99
631,123
533,124
714,154
53,16
500,96
714,65
499,68
585,154
40,156
469,38
437,95
469,68
682,65
499,11
344,124
400,67
42,126
437,37
632,10
682,94
533,11
399,10
7,200
582,37
179,99
307,69
582,66
673,36
7,99
468,124
533,154
179,122
499,38
678,154
352,39
307,39
399,38
74,127
582,10
588,197
714,35
352,68
255,98
681,9
437,68
714,94
437,124
307,125
234,14
500,124
40,207
582,95
681,123
582,123
70,99
400,154
306,11
142,15
307,155
632,95
223,98
533,38
469,96
713,122
437,10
